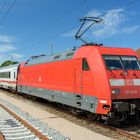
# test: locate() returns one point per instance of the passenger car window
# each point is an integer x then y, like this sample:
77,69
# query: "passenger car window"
5,74
14,75
85,66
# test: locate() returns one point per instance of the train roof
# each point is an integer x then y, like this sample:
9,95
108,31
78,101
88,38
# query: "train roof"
70,54
50,58
9,67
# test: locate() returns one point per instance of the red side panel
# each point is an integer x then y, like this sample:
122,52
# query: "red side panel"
55,76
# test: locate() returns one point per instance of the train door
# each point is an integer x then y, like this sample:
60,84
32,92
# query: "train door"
13,75
87,79
78,82
78,76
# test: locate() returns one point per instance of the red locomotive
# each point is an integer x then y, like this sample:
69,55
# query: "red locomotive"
102,82
99,81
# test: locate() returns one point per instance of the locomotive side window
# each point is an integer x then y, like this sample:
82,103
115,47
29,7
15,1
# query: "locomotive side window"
85,66
130,63
5,75
113,62
57,56
70,54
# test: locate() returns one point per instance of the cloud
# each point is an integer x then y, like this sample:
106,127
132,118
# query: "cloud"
6,48
6,39
16,55
94,13
8,56
112,25
70,33
131,29
4,57
112,20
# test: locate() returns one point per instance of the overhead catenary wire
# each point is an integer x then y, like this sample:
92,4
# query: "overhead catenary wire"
55,35
61,17
55,21
130,3
7,13
3,6
123,6
50,37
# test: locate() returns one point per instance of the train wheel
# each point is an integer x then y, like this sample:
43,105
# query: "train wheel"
26,96
138,116
60,105
75,111
91,116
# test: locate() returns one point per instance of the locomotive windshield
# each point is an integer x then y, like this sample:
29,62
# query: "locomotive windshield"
130,63
113,62
121,62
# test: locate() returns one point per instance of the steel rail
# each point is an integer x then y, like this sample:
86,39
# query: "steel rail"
120,131
1,136
31,128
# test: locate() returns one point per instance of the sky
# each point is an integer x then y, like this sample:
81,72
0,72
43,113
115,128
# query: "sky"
32,25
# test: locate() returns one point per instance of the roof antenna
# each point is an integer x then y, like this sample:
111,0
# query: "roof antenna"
51,49
93,20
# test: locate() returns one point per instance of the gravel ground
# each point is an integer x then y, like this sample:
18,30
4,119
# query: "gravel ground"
80,121
54,120
52,134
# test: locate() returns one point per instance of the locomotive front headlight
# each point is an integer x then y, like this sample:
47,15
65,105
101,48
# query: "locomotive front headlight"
116,91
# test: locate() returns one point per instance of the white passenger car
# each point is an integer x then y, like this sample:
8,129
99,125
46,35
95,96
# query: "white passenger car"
8,77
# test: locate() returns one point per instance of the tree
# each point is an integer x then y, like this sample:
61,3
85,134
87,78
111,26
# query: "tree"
138,53
8,62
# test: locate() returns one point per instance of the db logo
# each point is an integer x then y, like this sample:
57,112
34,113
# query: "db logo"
129,82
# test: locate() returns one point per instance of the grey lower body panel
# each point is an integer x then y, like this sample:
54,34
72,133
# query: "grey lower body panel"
84,102
8,86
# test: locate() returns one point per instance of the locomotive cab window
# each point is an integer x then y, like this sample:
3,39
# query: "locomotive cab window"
85,66
130,63
113,62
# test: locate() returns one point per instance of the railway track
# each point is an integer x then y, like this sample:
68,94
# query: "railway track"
14,127
107,130
1,136
113,132
120,131
110,131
